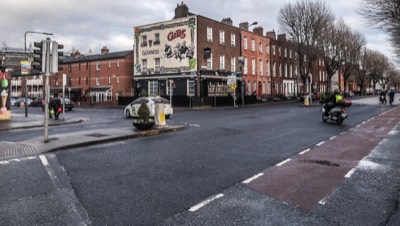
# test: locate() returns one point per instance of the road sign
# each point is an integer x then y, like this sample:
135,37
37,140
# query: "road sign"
233,86
231,80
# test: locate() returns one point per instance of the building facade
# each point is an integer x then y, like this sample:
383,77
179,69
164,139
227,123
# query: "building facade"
95,80
188,56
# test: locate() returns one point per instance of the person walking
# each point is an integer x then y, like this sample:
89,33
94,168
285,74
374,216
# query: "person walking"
57,108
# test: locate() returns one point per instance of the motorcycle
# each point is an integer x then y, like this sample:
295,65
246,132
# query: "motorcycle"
337,113
382,99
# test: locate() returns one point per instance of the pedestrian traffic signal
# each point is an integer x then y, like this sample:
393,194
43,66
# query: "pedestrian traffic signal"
55,54
39,56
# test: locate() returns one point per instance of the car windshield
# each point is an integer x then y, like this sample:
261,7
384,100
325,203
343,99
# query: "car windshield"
160,100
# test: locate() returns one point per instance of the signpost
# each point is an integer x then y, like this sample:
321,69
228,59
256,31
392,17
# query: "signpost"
231,81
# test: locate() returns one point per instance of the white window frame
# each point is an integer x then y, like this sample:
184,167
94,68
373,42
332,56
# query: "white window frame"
222,62
245,43
260,48
157,65
233,64
253,66
253,45
209,62
255,86
245,68
109,79
249,87
153,88
97,80
274,69
233,40
209,34
267,49
267,68
97,66
260,65
144,65
222,37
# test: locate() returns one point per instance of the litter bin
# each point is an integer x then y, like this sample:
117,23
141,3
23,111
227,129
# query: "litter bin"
159,115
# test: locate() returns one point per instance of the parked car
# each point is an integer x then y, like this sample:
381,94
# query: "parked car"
21,99
133,107
69,104
12,101
37,102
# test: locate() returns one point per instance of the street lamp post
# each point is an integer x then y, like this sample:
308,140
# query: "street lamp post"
26,79
241,65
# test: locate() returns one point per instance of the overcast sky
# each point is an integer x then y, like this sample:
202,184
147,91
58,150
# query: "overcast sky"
87,25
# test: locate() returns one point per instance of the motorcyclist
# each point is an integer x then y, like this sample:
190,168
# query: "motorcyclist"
382,97
332,100
391,96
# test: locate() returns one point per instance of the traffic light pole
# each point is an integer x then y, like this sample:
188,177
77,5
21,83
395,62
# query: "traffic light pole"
47,88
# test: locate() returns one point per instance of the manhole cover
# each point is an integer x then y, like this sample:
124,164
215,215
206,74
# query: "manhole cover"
97,135
322,162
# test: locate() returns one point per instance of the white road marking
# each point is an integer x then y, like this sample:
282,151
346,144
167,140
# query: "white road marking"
205,202
320,143
350,173
332,138
16,160
305,151
49,170
252,178
283,162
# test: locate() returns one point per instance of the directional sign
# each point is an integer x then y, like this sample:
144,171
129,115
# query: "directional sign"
233,86
231,80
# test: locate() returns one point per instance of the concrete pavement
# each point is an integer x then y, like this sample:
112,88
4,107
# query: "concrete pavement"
37,145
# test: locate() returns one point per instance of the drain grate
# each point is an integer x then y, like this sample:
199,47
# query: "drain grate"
97,135
322,162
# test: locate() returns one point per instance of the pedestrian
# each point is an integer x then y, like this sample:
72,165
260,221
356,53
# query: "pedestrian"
56,106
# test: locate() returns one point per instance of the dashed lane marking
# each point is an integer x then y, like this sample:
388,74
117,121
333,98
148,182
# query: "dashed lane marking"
205,202
283,162
305,151
252,178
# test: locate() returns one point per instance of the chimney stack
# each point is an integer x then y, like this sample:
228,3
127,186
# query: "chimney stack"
105,50
271,34
244,26
258,31
181,11
227,21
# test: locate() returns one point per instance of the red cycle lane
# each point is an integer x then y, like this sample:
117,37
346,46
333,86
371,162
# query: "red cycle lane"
308,178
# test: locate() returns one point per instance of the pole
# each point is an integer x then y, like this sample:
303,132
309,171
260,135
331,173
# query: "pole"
46,108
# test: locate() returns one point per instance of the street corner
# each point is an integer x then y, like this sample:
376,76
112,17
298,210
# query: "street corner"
15,149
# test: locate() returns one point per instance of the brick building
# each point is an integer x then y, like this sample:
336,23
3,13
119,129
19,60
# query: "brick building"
97,79
190,54
256,54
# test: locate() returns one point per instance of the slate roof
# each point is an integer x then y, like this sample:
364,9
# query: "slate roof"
96,57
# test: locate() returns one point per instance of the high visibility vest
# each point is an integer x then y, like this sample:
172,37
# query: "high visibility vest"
338,97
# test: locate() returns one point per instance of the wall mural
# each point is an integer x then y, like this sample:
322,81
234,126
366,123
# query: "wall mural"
177,53
5,113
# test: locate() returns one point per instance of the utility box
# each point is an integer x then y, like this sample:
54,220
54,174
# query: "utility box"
159,115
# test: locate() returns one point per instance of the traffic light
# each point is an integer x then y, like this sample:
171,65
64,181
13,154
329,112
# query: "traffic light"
55,54
39,56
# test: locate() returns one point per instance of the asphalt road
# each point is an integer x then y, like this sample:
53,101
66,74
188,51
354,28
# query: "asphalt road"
154,180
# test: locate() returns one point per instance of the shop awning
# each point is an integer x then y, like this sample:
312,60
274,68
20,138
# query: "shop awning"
99,89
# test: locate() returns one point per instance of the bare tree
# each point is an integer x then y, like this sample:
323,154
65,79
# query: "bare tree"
305,22
351,49
360,75
384,15
331,43
376,64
